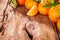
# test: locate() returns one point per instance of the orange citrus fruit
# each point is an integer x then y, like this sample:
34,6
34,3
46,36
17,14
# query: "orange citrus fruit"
21,2
54,14
29,4
33,11
43,10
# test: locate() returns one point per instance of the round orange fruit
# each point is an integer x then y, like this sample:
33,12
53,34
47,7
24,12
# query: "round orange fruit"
54,13
29,4
21,2
43,10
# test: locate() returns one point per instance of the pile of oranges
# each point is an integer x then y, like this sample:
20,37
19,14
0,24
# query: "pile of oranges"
35,7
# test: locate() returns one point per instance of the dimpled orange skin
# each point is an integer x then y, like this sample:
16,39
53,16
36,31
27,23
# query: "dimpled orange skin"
21,2
43,10
29,4
53,14
58,25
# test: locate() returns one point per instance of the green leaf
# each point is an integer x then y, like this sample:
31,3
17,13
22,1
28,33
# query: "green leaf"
58,10
38,1
51,1
14,3
51,5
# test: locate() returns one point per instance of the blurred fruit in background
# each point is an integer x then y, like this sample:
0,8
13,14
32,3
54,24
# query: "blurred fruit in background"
54,13
29,4
33,11
43,10
21,2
